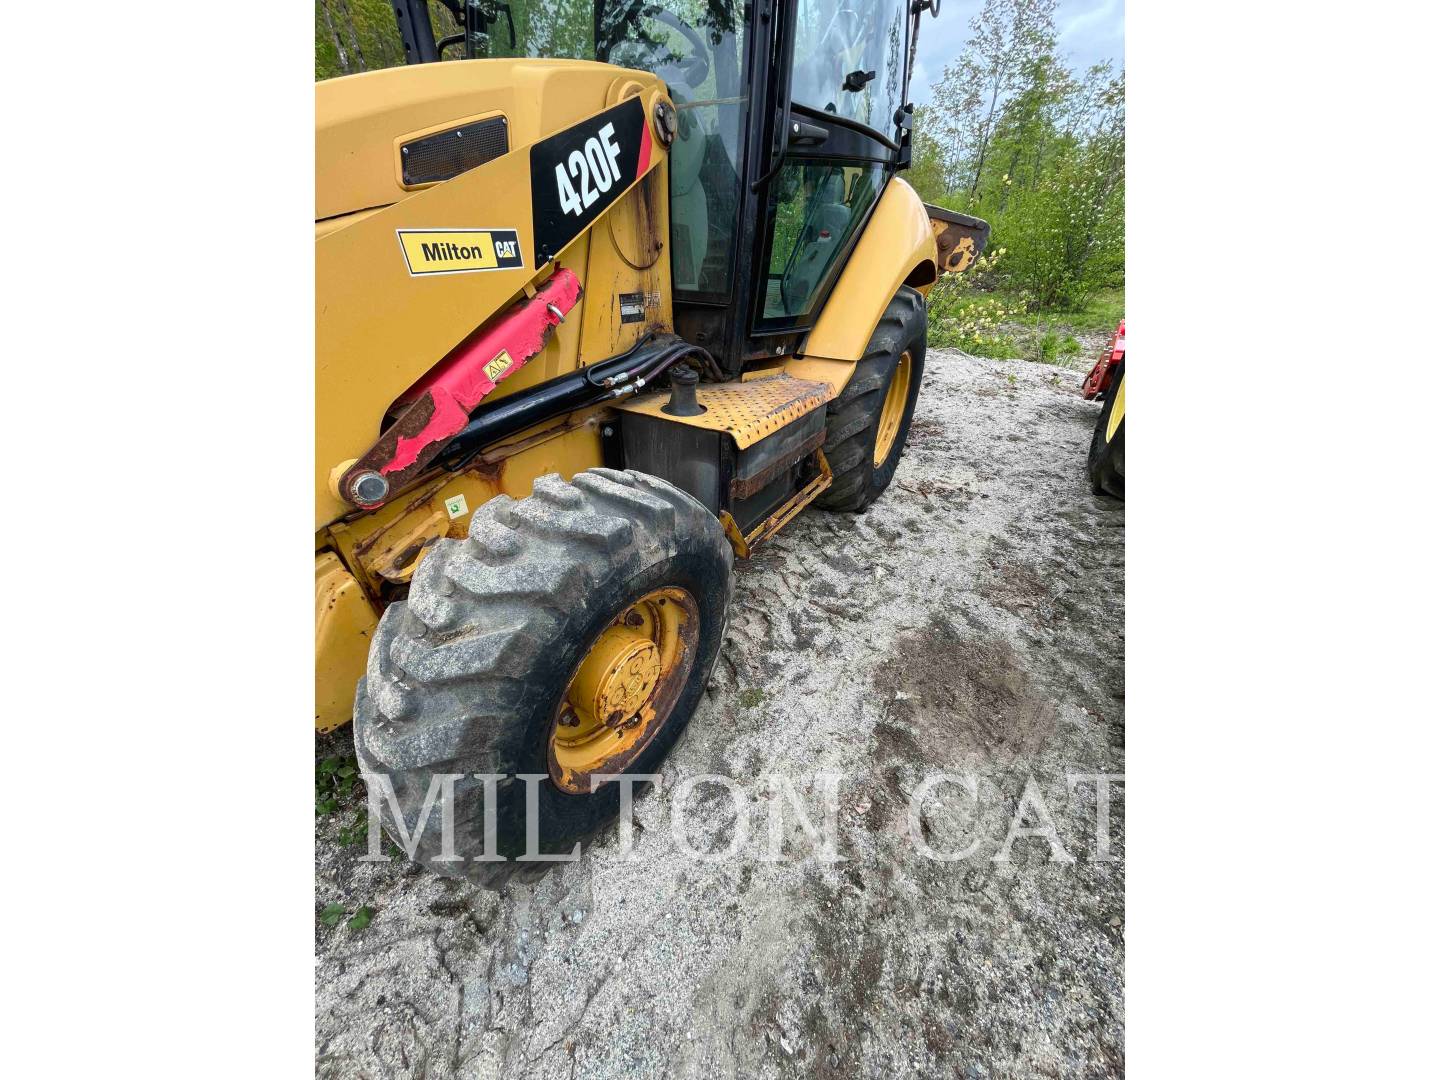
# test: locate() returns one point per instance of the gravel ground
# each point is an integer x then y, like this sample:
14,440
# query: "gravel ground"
972,621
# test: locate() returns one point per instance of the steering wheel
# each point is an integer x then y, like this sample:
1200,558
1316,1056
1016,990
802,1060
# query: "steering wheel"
696,66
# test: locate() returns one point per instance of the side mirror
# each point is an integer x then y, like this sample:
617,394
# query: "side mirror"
932,6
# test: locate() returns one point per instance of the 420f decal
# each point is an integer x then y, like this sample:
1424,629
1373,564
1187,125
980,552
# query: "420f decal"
578,173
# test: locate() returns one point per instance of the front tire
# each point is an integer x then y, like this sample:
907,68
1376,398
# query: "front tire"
475,672
866,426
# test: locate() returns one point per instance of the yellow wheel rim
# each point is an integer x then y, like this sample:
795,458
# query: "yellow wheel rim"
624,689
893,411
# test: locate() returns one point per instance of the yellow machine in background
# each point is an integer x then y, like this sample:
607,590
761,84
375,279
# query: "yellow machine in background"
586,329
1106,461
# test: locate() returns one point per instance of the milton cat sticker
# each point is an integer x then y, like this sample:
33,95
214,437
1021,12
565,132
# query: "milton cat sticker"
576,175
459,251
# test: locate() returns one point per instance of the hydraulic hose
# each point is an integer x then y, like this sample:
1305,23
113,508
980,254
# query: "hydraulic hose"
628,373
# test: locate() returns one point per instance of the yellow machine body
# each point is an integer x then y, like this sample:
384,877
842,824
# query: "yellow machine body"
897,248
379,328
1117,413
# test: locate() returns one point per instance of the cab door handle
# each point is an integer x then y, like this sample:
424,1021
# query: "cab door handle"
803,134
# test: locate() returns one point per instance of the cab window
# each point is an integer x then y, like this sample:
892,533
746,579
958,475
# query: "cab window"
838,43
818,205
696,46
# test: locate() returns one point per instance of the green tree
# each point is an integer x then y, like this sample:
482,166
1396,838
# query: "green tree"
355,35
1027,134
927,173
1066,236
1016,137
1007,38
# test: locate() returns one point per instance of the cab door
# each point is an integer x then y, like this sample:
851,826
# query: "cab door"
846,73
790,125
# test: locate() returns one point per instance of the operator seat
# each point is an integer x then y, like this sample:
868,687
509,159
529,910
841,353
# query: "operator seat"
817,245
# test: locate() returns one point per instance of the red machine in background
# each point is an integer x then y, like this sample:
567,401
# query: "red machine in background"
1103,373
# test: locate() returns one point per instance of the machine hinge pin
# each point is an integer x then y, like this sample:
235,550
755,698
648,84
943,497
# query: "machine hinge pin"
559,315
369,489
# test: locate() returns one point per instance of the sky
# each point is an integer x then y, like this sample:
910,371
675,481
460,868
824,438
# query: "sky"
1090,31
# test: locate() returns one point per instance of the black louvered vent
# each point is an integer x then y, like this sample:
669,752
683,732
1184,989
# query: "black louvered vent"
449,153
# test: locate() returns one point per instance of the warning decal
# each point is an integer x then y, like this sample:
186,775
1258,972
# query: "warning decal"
632,307
497,367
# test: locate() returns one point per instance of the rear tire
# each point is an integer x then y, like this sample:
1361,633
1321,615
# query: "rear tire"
854,420
468,675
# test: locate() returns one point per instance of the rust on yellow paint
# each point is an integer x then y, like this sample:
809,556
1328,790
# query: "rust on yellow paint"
748,410
624,260
385,545
737,539
744,546
378,330
960,254
624,689
344,625
373,553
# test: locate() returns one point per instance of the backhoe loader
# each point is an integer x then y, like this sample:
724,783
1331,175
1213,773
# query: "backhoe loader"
606,294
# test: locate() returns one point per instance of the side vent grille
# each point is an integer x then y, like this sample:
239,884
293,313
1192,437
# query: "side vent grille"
447,154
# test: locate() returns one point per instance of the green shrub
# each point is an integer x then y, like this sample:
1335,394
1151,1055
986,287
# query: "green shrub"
1053,348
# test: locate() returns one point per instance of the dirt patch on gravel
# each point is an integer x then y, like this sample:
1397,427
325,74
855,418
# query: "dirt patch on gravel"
972,622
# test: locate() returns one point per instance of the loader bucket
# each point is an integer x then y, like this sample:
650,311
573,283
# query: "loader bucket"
960,238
